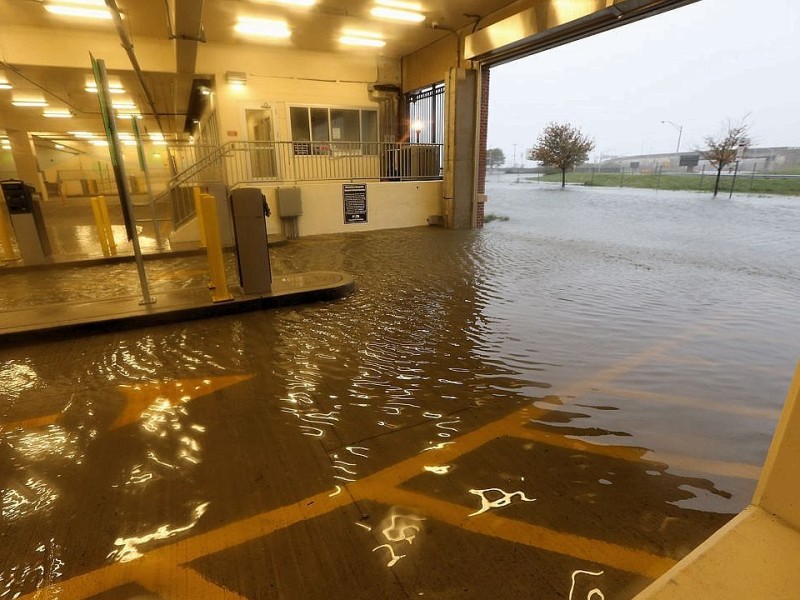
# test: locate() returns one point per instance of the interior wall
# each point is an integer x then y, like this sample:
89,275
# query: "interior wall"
278,78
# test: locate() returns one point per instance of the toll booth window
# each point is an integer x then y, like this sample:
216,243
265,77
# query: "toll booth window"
334,131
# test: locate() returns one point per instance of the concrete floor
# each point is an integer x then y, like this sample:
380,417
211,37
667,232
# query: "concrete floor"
172,474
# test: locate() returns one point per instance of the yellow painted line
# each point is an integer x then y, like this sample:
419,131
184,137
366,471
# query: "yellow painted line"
186,550
520,532
633,454
42,421
179,583
734,409
383,485
139,397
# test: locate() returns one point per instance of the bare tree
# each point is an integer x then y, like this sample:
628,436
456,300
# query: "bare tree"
495,157
721,150
562,146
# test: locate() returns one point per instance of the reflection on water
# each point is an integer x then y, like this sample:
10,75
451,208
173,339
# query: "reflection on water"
660,328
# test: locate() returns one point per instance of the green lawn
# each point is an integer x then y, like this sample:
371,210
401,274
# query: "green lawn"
744,183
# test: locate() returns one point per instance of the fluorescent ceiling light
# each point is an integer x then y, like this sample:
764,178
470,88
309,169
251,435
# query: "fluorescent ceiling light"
354,40
128,115
28,103
304,3
412,6
59,146
74,8
57,113
4,85
124,104
156,136
262,27
114,88
82,134
395,14
99,142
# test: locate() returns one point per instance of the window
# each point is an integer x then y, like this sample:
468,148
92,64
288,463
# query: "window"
426,115
333,130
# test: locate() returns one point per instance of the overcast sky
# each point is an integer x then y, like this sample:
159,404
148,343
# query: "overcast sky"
696,66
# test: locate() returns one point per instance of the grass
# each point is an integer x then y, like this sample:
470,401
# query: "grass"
745,183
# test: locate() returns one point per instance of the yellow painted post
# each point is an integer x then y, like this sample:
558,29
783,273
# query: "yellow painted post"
112,244
98,220
200,225
5,233
216,265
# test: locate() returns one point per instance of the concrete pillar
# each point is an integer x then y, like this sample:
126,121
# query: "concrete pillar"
24,154
460,161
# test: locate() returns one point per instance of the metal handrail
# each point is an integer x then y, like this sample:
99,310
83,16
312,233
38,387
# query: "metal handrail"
242,163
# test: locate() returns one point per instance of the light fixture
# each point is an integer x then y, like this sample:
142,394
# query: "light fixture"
114,88
128,115
57,113
236,77
302,3
262,27
89,9
362,38
59,146
124,104
99,142
397,10
156,136
30,103
83,135
4,85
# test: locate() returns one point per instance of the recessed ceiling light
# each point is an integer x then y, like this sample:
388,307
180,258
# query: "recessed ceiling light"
124,104
82,134
99,142
262,27
59,146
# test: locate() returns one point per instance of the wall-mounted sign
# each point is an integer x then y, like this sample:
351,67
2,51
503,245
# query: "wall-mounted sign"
232,133
354,196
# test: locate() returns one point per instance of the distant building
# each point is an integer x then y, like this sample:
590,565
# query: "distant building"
761,159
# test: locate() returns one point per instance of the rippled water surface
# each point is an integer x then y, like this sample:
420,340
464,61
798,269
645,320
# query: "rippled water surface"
663,326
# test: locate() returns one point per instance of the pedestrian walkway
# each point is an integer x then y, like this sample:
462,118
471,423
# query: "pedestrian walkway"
80,290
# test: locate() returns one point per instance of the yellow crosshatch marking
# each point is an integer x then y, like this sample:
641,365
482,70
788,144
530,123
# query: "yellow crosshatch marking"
163,571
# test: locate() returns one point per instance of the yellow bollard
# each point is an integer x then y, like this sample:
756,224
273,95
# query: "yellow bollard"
216,265
112,244
5,234
98,220
200,225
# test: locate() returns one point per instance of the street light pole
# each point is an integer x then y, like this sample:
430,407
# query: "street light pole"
680,132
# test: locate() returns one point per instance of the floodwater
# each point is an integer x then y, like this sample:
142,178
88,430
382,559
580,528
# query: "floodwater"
562,403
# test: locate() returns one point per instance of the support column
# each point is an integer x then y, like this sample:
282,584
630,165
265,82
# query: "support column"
25,161
460,162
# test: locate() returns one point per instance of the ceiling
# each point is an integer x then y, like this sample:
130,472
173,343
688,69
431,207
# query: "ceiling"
188,24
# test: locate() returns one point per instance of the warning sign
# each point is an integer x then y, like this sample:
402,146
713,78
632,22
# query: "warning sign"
354,196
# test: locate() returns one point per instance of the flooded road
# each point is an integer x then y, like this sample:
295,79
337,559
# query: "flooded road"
567,401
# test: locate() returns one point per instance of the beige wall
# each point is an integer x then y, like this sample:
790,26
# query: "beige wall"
429,65
280,78
390,205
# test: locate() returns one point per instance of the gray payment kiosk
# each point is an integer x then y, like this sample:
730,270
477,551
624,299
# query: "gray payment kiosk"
249,211
25,210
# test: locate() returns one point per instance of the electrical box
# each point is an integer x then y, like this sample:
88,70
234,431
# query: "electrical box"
289,204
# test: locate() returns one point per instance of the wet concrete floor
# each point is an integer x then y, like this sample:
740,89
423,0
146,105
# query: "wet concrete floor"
531,411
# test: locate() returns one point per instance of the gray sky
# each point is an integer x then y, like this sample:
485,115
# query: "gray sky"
696,66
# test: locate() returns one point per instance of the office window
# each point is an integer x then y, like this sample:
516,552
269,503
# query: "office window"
333,130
